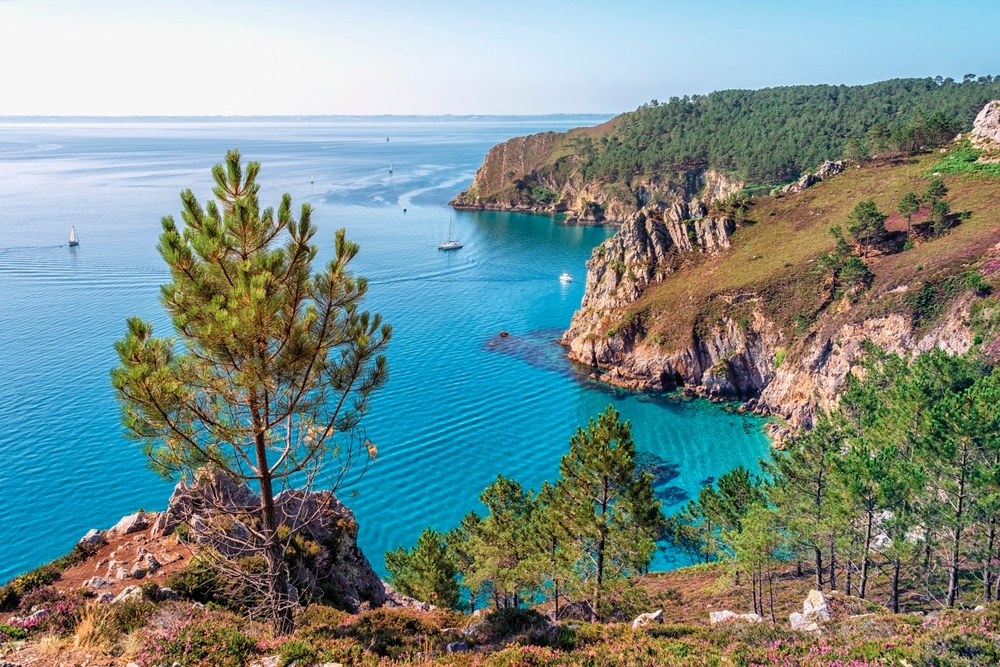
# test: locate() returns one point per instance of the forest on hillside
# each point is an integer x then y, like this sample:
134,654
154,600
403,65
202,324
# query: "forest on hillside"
773,135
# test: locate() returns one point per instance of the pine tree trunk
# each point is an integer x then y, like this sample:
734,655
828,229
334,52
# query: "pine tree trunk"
988,566
818,553
956,540
894,586
274,555
863,585
833,564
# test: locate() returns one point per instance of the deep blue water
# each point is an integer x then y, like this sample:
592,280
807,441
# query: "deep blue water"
462,404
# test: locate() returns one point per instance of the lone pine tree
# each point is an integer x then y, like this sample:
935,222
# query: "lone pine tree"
271,369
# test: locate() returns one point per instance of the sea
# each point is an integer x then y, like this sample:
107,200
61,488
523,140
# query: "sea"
462,404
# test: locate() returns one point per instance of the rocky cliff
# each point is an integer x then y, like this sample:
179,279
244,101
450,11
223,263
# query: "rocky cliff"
676,298
540,173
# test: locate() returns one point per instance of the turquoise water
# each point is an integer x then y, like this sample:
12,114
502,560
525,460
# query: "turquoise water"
461,405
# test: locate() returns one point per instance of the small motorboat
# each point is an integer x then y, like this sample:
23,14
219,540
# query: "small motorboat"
565,278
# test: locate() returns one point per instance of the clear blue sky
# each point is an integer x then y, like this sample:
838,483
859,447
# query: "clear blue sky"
186,57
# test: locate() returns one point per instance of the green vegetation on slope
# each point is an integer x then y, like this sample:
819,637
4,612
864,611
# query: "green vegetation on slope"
777,255
775,134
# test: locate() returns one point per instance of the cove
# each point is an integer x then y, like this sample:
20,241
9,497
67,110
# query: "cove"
462,404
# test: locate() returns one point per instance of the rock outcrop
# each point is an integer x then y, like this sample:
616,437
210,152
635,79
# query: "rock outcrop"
725,616
826,170
985,133
644,620
214,507
815,610
530,174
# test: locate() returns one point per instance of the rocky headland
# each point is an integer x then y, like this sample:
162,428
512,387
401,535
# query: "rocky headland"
689,296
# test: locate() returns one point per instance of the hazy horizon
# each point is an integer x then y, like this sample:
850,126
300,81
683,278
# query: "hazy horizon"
309,57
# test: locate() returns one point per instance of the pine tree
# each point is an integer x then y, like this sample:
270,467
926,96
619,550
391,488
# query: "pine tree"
609,508
272,368
426,572
908,206
867,224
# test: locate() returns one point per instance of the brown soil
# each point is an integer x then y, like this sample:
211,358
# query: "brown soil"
35,656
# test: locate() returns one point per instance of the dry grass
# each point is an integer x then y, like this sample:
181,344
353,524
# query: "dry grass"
772,255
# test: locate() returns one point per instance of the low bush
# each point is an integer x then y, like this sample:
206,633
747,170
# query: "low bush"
509,625
200,641
390,632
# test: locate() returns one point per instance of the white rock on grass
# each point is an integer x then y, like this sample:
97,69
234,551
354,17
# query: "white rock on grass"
129,594
815,610
725,615
642,620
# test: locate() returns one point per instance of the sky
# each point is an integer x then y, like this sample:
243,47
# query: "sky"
297,57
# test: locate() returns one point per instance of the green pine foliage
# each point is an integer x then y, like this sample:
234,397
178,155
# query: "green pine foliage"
596,526
774,135
425,572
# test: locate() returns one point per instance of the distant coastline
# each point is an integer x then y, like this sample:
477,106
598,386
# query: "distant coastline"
596,118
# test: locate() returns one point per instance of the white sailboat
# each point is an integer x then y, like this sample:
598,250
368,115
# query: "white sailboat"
73,240
449,244
565,278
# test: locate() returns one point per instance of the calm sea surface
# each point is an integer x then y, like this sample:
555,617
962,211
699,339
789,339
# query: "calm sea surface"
461,405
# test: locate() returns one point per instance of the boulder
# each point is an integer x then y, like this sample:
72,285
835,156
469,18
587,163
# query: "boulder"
149,562
132,523
725,615
93,538
816,607
129,594
121,574
815,610
339,571
138,572
105,598
986,128
96,582
801,624
457,647
643,620
829,168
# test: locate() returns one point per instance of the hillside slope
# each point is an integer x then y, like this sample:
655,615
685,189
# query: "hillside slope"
757,321
705,148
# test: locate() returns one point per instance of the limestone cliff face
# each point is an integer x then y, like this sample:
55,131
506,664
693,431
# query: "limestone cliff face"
749,360
529,174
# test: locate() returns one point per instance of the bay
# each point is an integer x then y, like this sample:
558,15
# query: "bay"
462,403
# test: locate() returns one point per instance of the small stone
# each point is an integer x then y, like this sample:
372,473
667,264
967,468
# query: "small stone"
93,538
138,572
105,598
96,582
149,562
164,593
642,620
130,593
122,574
457,647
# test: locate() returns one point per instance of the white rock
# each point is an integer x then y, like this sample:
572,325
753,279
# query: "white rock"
121,574
96,582
726,615
130,593
816,607
642,620
720,616
132,523
149,562
93,538
801,624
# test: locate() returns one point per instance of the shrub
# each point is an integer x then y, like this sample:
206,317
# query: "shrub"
200,642
391,631
507,625
298,651
10,633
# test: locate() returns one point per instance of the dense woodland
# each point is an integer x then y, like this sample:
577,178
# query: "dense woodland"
773,135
